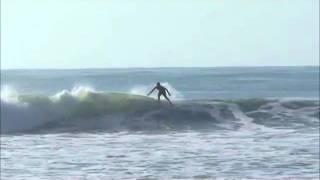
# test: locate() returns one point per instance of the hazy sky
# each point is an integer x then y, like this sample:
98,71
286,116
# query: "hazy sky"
162,33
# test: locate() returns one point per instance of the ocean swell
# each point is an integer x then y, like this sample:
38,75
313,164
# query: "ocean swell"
84,109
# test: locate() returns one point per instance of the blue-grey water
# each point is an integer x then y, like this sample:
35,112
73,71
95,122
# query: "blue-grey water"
248,122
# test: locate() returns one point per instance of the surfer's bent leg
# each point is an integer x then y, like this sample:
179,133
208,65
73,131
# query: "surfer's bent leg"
159,94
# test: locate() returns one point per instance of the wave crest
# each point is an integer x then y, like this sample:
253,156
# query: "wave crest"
84,108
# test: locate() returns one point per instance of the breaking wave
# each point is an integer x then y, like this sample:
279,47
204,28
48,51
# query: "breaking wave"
85,109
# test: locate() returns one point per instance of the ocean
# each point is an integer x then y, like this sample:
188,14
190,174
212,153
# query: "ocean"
226,122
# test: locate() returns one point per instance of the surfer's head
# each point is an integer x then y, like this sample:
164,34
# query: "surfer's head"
158,84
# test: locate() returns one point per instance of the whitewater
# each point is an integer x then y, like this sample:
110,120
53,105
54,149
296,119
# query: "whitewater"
250,122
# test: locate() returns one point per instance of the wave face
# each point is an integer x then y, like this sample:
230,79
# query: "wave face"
84,109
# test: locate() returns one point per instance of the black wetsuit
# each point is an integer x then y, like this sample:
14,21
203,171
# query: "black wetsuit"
162,91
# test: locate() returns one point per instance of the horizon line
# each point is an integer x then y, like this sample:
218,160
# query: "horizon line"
168,67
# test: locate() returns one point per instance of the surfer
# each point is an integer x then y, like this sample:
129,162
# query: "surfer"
162,91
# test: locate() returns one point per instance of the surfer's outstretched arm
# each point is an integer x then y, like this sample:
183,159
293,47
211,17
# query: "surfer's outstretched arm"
165,96
168,92
151,91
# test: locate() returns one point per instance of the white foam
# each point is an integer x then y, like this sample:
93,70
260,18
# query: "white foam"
79,91
9,94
